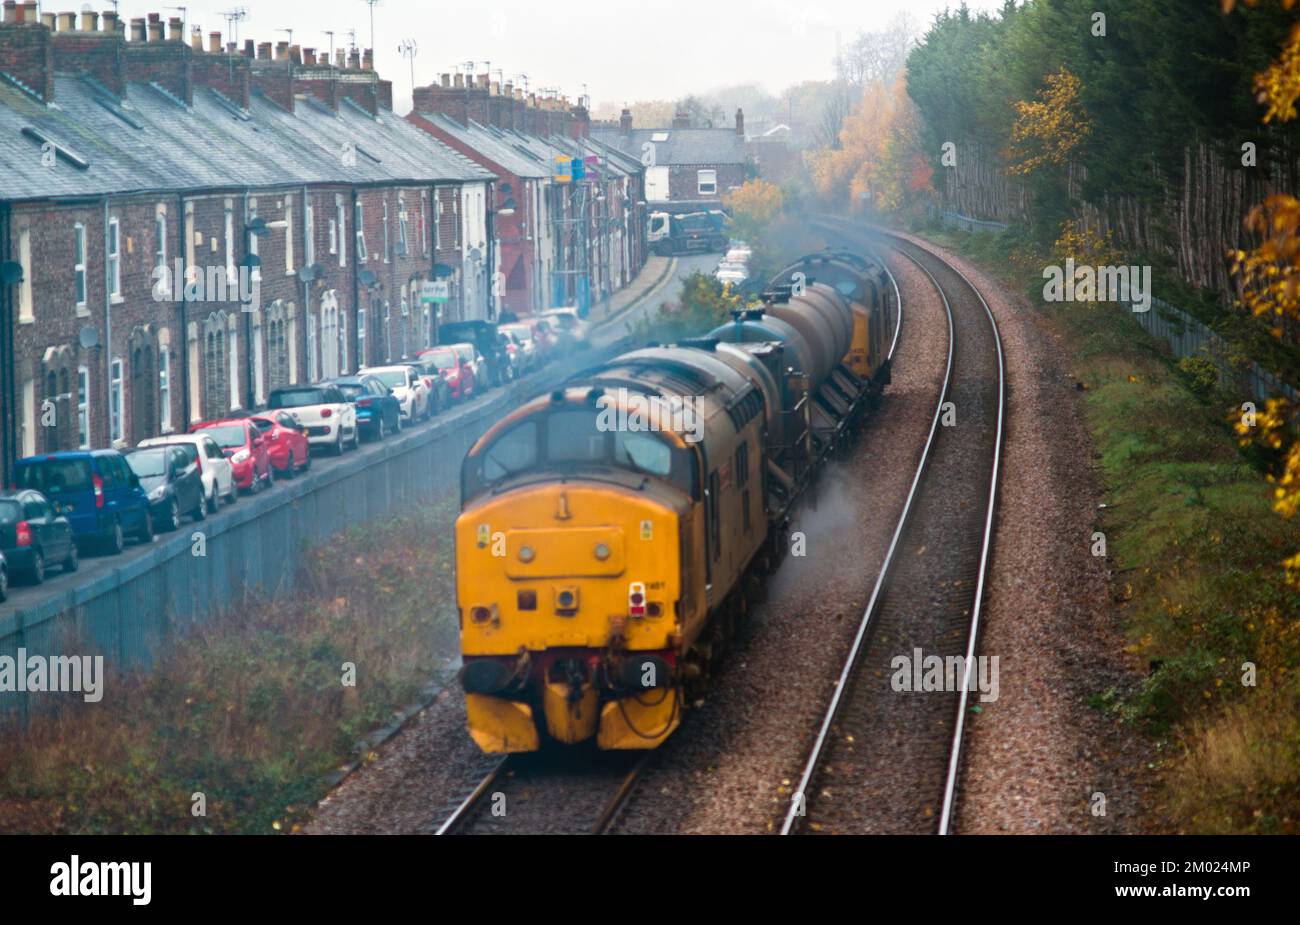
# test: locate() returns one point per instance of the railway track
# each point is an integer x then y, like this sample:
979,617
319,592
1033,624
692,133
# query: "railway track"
548,794
927,599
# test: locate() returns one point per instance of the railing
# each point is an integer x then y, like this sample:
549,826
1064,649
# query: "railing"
953,219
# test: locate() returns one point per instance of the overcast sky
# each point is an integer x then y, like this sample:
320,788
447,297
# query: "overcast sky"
622,50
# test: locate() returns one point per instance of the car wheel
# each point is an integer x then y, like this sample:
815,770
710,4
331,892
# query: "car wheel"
356,437
173,516
212,502
306,466
146,533
201,511
38,568
116,539
382,430
72,562
4,585
291,470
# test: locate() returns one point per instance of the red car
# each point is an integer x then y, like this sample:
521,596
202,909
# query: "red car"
458,374
246,449
286,442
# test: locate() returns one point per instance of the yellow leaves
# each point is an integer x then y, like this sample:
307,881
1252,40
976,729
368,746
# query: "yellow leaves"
1050,128
754,206
1086,246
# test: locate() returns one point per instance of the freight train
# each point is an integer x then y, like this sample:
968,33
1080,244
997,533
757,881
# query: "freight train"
615,531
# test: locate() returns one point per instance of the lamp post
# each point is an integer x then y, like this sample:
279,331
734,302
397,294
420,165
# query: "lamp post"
255,228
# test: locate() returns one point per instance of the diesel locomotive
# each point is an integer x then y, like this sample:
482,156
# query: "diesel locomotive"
614,531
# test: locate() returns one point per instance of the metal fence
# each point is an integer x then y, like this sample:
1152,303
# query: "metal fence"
953,219
1188,337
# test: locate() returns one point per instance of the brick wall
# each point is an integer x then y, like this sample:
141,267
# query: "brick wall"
683,181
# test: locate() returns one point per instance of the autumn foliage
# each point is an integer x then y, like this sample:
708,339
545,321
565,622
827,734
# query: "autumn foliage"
1049,129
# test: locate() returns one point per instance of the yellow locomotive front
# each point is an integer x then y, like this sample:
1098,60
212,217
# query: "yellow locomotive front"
574,605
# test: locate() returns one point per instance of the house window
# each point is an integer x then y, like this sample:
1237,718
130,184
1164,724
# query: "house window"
115,400
25,290
83,407
311,347
362,254
80,261
253,243
341,220
161,277
361,338
402,227
230,242
164,389
288,235
234,370
29,418
708,183
277,346
387,250
309,236
334,236
114,259
424,226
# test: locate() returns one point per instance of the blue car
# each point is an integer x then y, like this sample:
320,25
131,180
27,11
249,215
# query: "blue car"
96,491
379,413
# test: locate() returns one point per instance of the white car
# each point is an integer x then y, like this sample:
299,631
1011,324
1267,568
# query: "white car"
326,413
738,254
214,468
524,335
407,387
570,325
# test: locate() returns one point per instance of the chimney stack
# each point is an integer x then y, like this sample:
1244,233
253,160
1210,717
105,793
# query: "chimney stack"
67,22
295,54
176,28
250,48
740,122
625,121
459,81
354,59
281,51
309,57
196,39
446,81
264,51
341,58
89,22
139,30
214,43
155,27
368,60
48,20
11,11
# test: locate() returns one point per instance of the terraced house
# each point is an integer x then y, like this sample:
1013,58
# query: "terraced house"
186,225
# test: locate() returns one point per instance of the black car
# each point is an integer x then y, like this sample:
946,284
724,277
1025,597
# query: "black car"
485,338
33,535
379,413
172,481
4,579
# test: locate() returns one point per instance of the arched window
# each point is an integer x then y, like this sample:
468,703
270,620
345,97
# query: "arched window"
216,364
277,345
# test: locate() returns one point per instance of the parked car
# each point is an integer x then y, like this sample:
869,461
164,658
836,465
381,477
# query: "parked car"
570,327
286,443
330,419
515,352
458,375
379,413
544,337
485,337
215,470
470,356
408,388
172,482
241,443
98,493
34,536
524,336
4,579
439,393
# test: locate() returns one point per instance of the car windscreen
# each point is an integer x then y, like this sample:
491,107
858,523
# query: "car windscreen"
351,391
148,463
393,378
52,477
228,435
442,360
297,398
10,511
523,333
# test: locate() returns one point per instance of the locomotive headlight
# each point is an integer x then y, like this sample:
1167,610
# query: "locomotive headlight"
602,552
526,554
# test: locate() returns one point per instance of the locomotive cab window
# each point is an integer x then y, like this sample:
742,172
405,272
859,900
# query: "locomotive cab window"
571,440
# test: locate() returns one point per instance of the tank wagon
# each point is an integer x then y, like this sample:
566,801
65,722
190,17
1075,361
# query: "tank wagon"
614,531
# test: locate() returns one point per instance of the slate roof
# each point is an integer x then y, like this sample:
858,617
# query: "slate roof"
152,142
510,149
683,146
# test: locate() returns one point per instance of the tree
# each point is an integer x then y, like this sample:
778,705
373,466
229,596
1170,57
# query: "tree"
1049,129
754,206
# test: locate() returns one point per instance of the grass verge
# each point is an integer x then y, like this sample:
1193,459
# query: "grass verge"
1197,550
248,713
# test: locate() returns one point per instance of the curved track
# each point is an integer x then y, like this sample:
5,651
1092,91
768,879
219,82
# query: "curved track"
928,597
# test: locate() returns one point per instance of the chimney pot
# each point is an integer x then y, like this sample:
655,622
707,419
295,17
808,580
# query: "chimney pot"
47,20
295,54
108,23
89,22
250,48
446,80
309,57
67,22
214,43
459,81
368,60
11,11
354,59
27,12
281,51
341,58
495,88
264,51
155,28
196,38
176,29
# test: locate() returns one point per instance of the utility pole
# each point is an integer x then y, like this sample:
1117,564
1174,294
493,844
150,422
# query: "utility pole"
408,49
375,50
330,33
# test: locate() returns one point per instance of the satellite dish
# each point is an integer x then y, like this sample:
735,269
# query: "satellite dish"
442,271
252,261
89,337
475,254
511,205
310,274
11,272
367,278
506,189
